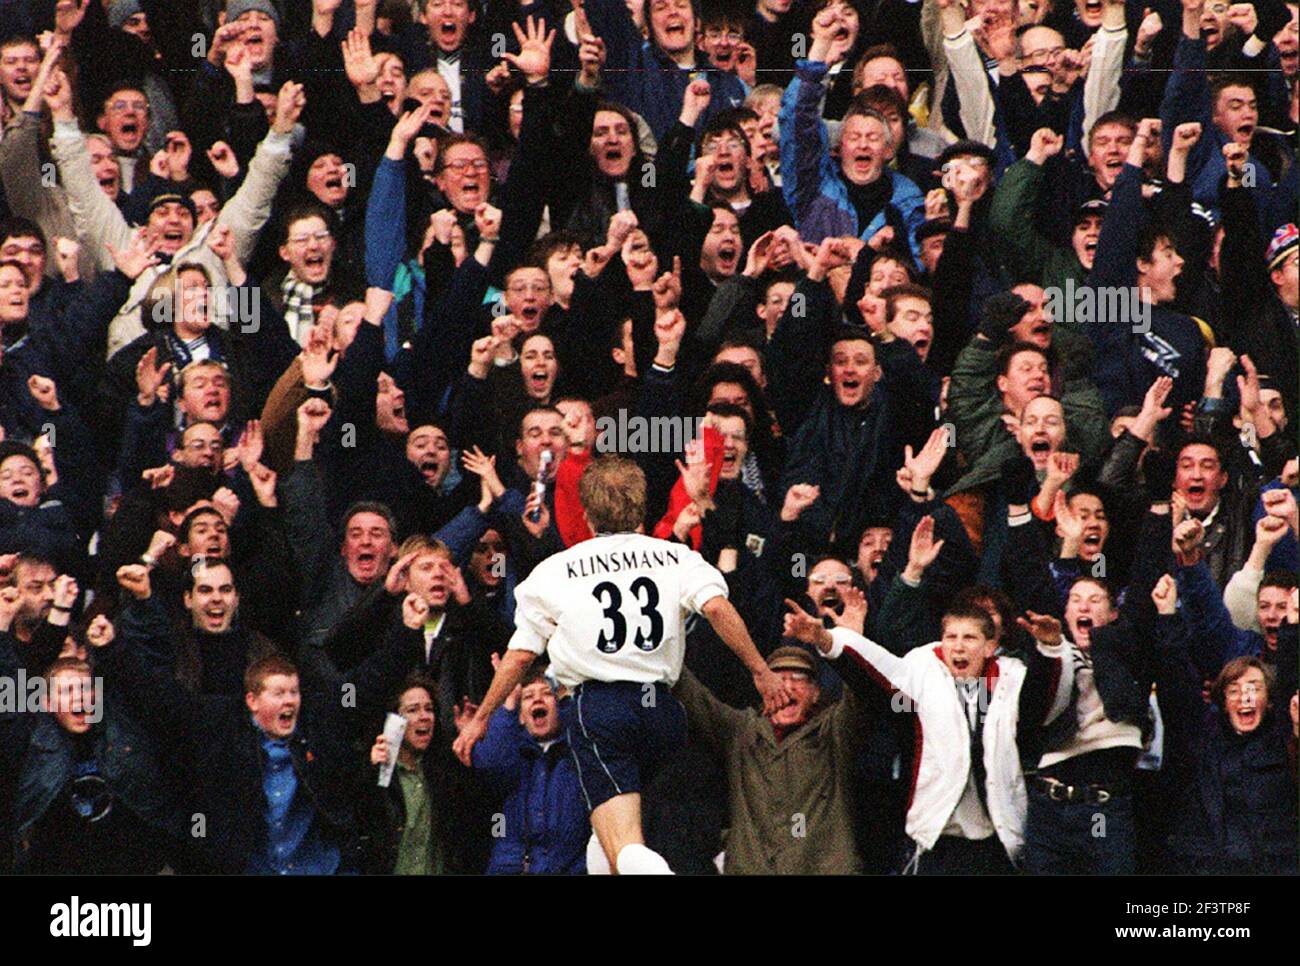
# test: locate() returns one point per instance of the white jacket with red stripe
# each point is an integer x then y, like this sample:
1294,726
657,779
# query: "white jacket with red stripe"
923,684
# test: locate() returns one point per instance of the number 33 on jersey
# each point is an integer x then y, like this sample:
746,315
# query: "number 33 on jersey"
614,608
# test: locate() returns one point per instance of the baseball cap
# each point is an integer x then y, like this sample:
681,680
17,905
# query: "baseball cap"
791,658
1094,206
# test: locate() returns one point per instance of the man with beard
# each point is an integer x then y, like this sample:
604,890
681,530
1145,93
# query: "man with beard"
281,753
524,758
30,595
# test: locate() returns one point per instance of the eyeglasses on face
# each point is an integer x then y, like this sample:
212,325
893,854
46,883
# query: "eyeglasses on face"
320,236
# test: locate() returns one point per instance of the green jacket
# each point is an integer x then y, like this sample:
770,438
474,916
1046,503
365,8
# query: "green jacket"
790,804
1025,251
975,407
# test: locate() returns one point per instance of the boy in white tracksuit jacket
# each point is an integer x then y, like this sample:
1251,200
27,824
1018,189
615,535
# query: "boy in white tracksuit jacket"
963,819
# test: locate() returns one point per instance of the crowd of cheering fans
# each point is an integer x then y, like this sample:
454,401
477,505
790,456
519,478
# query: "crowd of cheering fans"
960,336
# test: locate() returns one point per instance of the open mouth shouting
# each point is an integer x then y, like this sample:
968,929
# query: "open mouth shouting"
19,493
861,165
538,382
613,159
730,461
399,414
315,267
335,186
365,564
728,257
431,469
1092,12
171,238
216,616
448,33
472,194
530,316
1246,717
1091,545
1040,449
850,390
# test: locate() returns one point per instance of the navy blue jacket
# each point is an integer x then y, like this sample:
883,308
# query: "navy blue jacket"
546,826
1237,813
129,765
1128,358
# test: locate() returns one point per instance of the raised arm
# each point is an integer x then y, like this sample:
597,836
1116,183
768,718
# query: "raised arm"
250,208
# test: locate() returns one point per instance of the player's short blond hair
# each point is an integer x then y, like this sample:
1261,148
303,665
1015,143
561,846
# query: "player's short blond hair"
612,491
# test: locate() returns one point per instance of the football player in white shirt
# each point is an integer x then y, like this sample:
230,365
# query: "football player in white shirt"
611,612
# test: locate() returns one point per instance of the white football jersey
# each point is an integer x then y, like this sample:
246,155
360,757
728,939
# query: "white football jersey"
614,608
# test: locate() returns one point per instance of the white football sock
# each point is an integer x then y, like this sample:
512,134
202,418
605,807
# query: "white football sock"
597,862
639,860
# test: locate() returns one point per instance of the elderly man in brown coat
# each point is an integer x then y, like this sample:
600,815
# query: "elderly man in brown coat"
789,774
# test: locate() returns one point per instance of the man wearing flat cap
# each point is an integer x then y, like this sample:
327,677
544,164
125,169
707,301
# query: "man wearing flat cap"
789,774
